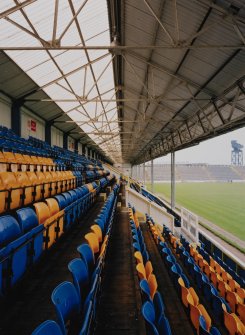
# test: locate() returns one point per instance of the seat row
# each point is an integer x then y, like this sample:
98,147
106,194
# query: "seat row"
18,189
153,309
197,312
196,268
32,230
228,305
75,303
10,161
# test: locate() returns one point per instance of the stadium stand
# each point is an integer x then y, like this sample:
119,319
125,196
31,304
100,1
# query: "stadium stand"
197,172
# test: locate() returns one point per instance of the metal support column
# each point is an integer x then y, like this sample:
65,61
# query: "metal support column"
152,177
16,117
173,180
48,126
144,173
65,141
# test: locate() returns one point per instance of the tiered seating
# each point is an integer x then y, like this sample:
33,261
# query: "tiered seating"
30,231
75,303
18,189
153,306
214,282
197,312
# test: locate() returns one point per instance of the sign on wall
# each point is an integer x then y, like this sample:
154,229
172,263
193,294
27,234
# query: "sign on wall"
32,125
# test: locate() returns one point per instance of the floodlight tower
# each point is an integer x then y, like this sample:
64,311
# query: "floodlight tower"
236,153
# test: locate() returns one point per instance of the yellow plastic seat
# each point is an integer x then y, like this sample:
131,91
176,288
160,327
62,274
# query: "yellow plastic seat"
194,296
56,215
241,293
152,284
211,262
184,292
12,197
232,323
196,311
233,299
58,179
93,241
97,230
138,257
37,188
26,190
218,268
141,271
9,156
233,284
241,312
50,223
148,269
223,287
46,183
49,178
226,276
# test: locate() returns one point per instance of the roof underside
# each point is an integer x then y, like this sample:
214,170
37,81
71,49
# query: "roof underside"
172,77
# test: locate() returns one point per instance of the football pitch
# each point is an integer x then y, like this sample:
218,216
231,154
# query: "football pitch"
220,203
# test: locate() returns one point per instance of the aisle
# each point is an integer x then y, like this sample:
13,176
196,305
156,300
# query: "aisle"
119,308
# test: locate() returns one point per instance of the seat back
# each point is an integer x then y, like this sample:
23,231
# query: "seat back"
148,313
87,255
93,241
97,230
47,328
27,219
42,212
9,181
141,271
145,290
152,284
80,275
52,205
9,230
67,304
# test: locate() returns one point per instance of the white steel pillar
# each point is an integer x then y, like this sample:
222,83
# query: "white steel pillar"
173,180
152,177
144,173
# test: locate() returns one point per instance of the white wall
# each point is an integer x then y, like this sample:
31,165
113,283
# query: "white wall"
56,137
5,111
26,131
80,148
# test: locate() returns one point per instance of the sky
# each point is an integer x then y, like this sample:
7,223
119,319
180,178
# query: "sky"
214,151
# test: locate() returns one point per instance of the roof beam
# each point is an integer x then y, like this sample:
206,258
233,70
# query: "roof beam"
16,8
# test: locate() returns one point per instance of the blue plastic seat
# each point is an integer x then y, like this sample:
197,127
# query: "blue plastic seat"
164,326
48,327
87,319
203,328
158,305
80,275
145,290
87,256
67,305
148,313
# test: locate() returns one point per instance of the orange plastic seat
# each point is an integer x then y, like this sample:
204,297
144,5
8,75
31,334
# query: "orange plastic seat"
233,299
148,269
97,230
37,188
53,183
241,312
27,189
152,284
184,292
214,279
46,183
93,241
138,257
233,284
223,287
9,182
233,324
141,271
241,293
226,276
3,194
56,216
194,296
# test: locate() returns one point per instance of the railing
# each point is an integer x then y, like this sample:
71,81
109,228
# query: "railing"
143,205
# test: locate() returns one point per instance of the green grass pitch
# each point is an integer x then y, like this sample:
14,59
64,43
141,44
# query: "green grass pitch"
220,203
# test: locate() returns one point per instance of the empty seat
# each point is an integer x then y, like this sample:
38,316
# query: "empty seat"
26,189
87,255
80,275
10,183
48,327
67,305
28,222
93,241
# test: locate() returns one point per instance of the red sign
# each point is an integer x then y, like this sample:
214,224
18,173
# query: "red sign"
33,125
